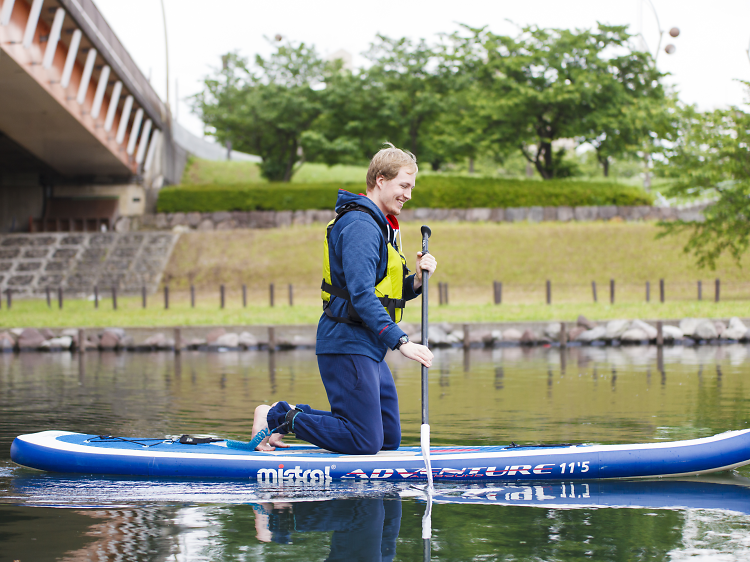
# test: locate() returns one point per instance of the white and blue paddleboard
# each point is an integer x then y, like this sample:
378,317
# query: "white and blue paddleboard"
64,451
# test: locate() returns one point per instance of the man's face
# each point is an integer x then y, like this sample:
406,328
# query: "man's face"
392,194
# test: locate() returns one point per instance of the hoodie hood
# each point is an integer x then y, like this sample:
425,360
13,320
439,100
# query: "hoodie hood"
390,223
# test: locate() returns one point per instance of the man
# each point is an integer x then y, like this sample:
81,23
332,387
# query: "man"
364,290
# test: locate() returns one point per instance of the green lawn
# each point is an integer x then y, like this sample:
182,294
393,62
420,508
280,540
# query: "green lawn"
81,313
470,257
207,172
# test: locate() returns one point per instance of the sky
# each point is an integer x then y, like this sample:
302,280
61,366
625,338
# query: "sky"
711,50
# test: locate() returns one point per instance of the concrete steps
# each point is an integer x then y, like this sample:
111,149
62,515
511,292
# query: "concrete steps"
29,263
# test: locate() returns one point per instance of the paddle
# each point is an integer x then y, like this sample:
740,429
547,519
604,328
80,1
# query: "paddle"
425,429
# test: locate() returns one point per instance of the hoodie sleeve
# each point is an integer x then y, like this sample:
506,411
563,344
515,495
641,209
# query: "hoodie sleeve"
409,292
360,244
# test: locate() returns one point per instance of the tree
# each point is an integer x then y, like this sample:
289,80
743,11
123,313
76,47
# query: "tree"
401,97
549,84
266,109
711,155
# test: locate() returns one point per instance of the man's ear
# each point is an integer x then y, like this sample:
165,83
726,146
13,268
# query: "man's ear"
379,181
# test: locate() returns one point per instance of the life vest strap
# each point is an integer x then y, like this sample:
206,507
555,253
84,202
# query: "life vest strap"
389,303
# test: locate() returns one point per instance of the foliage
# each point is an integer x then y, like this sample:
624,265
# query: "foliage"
243,197
550,84
402,97
711,154
465,98
264,110
433,191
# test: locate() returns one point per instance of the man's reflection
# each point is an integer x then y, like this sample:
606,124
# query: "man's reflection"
363,528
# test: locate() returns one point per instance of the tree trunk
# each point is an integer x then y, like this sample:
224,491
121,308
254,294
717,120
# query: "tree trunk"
605,166
543,161
471,165
290,163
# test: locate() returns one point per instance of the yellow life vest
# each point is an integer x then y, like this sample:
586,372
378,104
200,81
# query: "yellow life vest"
389,290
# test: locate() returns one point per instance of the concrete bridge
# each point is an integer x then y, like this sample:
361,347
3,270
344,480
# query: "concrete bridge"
84,138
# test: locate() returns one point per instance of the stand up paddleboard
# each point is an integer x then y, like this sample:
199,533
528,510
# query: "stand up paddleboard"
64,451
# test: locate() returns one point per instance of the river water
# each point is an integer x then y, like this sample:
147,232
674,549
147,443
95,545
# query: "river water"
584,394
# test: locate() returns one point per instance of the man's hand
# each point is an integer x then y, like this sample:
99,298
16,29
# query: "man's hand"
417,352
424,261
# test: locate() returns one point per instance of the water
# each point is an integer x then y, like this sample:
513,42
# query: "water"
602,395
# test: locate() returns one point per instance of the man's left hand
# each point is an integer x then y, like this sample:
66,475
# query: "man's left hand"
424,262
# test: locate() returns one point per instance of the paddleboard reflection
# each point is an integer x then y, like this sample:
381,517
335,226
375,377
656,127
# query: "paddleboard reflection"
727,494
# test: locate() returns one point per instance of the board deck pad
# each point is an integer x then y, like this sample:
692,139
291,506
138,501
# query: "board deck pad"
68,452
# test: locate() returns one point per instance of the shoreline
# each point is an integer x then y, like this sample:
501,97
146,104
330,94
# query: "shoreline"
582,332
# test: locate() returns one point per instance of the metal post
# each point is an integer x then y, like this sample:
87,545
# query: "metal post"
192,296
291,295
81,340
612,291
563,334
114,298
60,298
177,341
648,291
271,338
9,301
49,297
96,296
166,297
700,291
467,336
143,297
270,293
718,290
221,291
659,333
244,296
440,293
593,290
549,292
661,290
497,287
446,292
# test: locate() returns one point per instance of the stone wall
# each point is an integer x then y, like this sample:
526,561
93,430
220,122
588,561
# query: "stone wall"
226,220
78,261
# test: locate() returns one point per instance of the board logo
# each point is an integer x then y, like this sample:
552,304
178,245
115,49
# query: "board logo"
444,473
295,474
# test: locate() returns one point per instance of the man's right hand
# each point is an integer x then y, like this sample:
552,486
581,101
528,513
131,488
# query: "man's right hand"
417,352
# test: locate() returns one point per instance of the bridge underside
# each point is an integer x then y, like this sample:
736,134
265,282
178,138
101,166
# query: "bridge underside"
37,121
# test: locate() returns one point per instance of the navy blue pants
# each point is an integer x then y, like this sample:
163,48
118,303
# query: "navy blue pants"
364,417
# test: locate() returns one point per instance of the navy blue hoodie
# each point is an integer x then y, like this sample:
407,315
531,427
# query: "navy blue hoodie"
359,257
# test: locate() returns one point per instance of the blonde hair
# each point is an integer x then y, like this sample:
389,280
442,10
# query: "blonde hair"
388,163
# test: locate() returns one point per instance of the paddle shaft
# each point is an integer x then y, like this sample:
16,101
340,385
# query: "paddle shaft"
425,321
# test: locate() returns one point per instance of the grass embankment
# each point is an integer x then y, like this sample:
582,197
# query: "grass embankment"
207,172
470,256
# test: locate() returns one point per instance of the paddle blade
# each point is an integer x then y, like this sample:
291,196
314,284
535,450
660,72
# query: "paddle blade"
427,520
425,443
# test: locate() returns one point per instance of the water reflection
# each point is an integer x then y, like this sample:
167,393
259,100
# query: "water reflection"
187,520
526,395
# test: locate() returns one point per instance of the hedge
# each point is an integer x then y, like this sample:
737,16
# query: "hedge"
448,192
